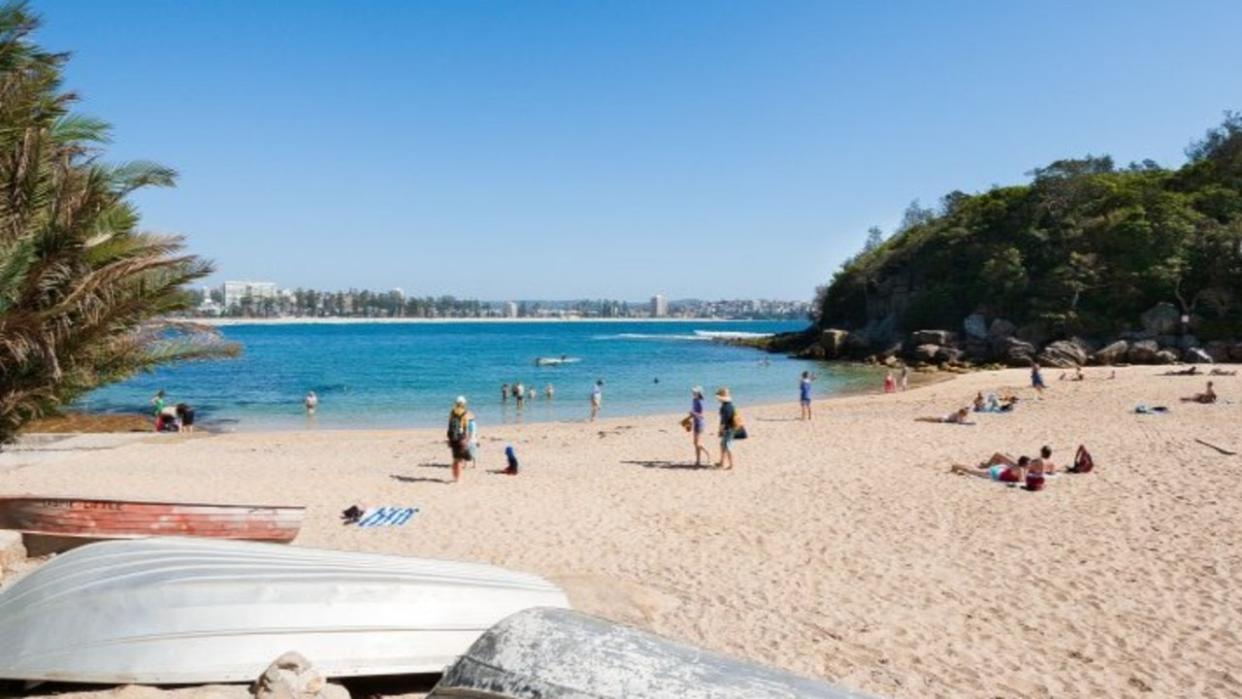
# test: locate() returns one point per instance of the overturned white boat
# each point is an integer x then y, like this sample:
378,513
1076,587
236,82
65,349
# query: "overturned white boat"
182,611
561,654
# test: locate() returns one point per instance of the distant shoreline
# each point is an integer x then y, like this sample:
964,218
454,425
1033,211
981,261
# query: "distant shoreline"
226,322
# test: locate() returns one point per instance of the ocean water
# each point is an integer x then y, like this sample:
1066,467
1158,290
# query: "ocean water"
371,375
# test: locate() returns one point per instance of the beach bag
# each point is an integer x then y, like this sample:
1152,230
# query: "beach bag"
687,422
1083,463
739,428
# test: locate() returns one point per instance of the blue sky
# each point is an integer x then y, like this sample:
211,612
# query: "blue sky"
615,149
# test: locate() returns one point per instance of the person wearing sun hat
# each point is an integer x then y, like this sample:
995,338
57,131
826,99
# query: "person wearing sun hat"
459,435
728,420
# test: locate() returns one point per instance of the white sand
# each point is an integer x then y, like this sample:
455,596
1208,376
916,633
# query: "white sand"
841,548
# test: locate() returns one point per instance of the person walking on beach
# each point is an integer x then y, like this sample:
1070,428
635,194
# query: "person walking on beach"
597,398
311,402
1037,378
698,423
804,394
728,428
459,435
903,381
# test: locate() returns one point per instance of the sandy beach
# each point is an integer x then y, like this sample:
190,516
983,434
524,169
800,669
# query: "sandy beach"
840,548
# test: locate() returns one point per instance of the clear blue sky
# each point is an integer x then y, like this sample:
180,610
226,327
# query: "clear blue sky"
615,149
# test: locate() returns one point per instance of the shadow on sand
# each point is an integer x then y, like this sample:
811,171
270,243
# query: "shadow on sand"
674,465
419,479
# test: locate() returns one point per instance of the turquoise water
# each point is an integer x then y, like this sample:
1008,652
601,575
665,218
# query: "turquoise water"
400,375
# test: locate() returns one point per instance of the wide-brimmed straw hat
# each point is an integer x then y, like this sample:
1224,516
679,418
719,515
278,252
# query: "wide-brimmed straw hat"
723,394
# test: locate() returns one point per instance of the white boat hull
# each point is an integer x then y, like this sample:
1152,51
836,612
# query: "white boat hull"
174,611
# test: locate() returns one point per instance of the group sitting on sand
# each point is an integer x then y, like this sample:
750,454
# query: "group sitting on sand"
994,404
1003,468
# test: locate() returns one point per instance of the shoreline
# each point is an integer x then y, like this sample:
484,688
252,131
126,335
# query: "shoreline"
87,422
227,322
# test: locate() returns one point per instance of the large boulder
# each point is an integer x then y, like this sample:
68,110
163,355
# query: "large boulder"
815,351
1112,354
977,350
1034,333
1063,354
924,353
932,337
948,355
1143,352
1168,356
1217,350
1001,328
833,342
1196,355
1188,341
1162,319
976,326
1013,352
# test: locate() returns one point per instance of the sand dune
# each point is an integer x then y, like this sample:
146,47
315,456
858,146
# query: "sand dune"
840,548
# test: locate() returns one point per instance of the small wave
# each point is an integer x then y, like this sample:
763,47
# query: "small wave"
649,336
729,335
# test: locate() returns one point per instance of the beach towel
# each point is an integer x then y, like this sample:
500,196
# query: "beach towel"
1143,409
386,516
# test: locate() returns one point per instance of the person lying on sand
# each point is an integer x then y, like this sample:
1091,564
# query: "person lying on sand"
1208,396
1192,371
1000,468
955,418
1222,372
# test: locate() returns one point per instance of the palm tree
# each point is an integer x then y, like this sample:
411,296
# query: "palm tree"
82,291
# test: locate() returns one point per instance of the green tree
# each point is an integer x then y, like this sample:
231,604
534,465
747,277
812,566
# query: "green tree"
82,291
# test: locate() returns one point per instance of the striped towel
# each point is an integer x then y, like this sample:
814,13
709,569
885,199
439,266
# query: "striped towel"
387,516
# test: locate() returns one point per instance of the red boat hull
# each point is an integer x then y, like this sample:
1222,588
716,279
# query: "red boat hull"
126,519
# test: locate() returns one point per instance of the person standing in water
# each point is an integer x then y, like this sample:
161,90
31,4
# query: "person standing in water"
459,435
311,402
728,428
549,392
698,424
504,393
804,394
597,398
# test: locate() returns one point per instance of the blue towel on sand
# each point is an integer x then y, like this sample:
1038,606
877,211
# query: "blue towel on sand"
387,516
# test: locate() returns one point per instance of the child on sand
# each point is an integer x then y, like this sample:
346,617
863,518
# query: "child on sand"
890,384
597,398
804,394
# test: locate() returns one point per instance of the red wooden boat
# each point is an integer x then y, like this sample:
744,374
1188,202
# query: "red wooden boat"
97,518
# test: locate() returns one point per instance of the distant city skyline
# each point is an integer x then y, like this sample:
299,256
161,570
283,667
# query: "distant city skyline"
563,150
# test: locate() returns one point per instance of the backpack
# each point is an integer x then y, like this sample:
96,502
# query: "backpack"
457,427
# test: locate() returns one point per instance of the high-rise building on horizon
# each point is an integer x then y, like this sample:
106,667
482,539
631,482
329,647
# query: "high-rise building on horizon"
237,292
511,309
659,306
